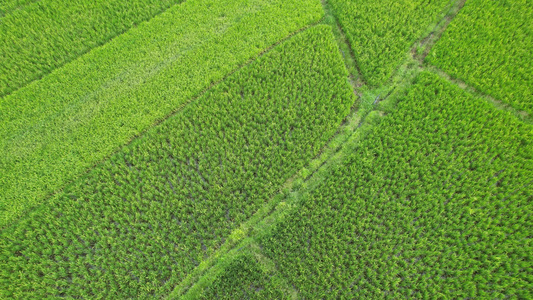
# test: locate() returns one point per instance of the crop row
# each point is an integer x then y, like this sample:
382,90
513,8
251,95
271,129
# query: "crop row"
54,129
135,225
488,45
45,35
381,32
436,202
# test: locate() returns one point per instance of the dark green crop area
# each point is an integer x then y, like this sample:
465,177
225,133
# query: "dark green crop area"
266,149
489,45
139,222
435,202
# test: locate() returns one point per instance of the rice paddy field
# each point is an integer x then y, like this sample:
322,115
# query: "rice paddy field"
266,149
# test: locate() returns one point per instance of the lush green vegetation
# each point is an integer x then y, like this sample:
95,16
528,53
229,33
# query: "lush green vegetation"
265,149
381,32
136,224
54,129
47,34
435,202
488,45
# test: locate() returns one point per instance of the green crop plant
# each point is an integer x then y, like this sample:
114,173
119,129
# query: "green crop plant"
8,6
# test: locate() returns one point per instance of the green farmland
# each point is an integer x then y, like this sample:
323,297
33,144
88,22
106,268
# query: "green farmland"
266,149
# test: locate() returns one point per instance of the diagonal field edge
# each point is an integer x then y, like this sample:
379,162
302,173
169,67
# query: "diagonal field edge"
85,52
344,39
522,115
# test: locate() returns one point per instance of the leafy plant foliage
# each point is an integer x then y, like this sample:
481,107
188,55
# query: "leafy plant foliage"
436,202
8,6
139,222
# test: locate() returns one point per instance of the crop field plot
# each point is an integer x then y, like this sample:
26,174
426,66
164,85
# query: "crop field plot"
266,149
488,45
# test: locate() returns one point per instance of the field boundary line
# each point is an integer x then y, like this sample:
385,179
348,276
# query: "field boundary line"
422,47
157,122
521,115
356,78
89,50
